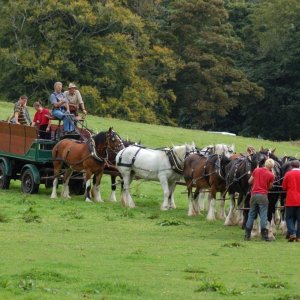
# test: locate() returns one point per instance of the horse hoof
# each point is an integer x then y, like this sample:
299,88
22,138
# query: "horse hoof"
164,208
88,200
99,201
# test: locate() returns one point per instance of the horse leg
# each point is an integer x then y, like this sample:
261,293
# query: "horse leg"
201,201
271,230
171,199
256,228
230,219
193,201
113,189
57,165
96,187
212,202
65,193
88,196
221,214
126,198
282,225
164,183
244,200
54,188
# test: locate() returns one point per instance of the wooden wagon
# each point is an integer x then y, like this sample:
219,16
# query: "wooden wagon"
25,157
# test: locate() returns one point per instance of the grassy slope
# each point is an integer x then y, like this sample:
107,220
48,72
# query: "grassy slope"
106,252
158,136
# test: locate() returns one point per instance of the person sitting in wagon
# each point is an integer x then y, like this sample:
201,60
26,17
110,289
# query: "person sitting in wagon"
74,99
41,119
20,114
60,108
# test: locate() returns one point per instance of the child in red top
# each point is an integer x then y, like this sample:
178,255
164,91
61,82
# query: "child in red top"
40,119
291,183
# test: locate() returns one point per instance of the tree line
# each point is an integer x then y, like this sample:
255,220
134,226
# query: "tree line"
208,64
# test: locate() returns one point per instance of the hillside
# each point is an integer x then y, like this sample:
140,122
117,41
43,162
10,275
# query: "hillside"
159,136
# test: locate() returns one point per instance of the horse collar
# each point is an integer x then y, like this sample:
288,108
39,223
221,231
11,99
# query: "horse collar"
175,165
93,151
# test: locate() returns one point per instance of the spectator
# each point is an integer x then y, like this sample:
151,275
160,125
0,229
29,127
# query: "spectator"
41,119
74,99
20,114
60,108
291,183
262,180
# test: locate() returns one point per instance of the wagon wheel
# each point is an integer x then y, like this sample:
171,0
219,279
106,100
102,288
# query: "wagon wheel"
76,186
28,185
4,179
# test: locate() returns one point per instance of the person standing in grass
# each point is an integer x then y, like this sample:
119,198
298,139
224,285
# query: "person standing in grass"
262,180
291,183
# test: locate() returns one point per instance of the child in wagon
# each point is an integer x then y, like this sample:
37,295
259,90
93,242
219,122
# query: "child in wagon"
41,118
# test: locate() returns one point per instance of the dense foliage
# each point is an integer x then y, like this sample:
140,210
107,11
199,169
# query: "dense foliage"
207,64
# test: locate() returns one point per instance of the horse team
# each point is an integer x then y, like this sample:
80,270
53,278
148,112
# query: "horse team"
214,168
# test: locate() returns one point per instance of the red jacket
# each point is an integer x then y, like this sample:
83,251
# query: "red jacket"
262,178
291,183
41,117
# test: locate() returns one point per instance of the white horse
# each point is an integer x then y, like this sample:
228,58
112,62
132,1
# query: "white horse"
163,165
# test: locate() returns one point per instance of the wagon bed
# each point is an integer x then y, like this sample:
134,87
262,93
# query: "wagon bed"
26,157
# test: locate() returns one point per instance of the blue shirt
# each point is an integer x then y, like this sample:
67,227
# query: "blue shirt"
56,97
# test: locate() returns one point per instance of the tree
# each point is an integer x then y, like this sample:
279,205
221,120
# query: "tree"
99,44
209,85
270,32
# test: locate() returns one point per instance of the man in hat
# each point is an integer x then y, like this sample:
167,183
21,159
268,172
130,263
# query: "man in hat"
74,99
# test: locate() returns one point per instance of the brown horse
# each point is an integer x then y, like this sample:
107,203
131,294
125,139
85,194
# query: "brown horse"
205,172
89,157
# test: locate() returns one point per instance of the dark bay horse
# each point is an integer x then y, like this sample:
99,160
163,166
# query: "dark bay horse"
205,172
238,173
89,157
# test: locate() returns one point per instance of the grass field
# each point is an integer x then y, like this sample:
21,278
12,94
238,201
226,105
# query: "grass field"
75,250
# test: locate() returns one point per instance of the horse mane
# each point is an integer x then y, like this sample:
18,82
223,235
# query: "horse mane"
100,138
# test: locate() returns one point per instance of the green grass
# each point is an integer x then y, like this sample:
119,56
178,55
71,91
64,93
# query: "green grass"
75,250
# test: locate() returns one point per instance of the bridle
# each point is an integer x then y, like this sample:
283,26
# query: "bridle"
110,141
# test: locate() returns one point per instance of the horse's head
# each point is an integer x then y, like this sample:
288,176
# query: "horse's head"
257,159
223,149
208,150
108,140
181,152
190,149
270,153
113,141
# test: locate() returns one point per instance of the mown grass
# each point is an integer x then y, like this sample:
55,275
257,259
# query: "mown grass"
75,250
103,251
